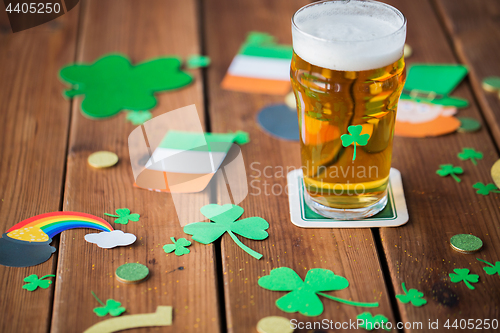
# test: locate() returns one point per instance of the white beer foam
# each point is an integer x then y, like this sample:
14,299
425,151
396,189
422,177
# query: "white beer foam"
349,35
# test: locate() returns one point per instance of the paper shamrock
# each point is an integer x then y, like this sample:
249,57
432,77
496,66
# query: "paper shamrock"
485,189
462,274
303,296
373,322
224,220
124,216
355,138
34,282
139,117
112,83
413,295
112,307
450,170
179,246
491,270
470,154
197,61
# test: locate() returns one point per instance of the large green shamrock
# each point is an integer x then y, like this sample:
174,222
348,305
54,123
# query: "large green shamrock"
112,83
355,138
224,218
491,270
139,117
179,246
413,295
124,216
112,307
304,294
470,154
485,189
450,170
34,282
370,322
462,274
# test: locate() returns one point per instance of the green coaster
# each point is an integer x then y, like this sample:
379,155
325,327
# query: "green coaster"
131,273
465,243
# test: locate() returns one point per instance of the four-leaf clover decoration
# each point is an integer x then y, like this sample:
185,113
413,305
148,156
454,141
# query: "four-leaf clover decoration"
111,307
224,220
413,295
355,138
470,154
462,274
303,296
124,216
491,270
112,83
179,246
371,322
450,170
139,117
34,282
485,189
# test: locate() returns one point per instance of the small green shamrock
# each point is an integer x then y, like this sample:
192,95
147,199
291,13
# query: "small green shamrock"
303,296
179,246
450,170
224,220
198,61
356,138
373,322
124,216
413,295
491,270
485,189
462,274
112,307
470,154
139,117
35,282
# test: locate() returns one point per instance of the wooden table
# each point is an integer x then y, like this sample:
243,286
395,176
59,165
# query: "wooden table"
45,142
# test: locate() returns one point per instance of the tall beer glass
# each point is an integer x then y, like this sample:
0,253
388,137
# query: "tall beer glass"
347,74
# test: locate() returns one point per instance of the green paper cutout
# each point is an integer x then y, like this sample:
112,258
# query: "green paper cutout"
468,124
198,61
303,296
179,246
462,274
470,154
124,216
214,142
354,138
450,170
112,307
494,269
139,117
224,220
260,44
112,83
369,321
413,295
485,189
34,282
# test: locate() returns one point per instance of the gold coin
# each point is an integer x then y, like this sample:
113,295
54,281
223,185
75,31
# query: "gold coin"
102,159
495,173
491,84
274,324
408,51
290,101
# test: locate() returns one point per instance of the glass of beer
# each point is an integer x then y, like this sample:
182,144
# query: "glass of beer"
347,74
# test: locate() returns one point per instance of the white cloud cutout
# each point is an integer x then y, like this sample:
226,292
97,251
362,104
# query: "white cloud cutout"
110,239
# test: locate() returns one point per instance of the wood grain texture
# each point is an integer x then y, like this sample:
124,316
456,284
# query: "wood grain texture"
349,253
474,29
35,121
141,30
419,253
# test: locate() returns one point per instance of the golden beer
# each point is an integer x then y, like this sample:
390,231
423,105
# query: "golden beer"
357,86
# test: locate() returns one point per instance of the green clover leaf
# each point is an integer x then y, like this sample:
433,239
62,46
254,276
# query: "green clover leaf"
179,246
139,117
355,138
224,220
462,274
494,269
112,307
413,295
485,189
450,170
303,296
112,83
34,282
470,154
369,321
124,216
